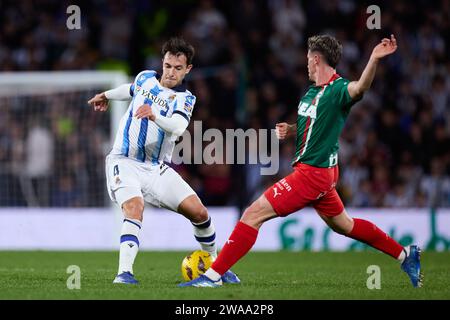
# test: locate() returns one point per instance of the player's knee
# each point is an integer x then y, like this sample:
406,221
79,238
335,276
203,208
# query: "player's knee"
250,212
133,208
201,214
342,223
343,227
251,215
339,230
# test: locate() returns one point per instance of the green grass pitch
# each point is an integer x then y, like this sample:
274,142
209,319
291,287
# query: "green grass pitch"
264,275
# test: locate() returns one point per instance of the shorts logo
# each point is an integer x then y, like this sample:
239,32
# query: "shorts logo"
116,174
163,167
276,193
285,184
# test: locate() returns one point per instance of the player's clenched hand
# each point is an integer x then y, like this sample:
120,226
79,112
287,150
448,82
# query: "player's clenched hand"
145,111
282,130
386,47
99,102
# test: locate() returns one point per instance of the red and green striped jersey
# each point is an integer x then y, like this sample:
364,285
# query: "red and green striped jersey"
321,116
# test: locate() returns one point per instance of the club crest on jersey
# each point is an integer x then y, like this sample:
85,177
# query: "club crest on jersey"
172,97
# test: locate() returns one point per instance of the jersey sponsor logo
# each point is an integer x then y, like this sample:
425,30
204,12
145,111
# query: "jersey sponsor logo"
307,110
154,98
310,109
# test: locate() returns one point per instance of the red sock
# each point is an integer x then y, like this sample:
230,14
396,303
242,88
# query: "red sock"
240,242
365,231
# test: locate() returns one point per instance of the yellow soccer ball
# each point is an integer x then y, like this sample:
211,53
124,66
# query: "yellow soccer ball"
195,264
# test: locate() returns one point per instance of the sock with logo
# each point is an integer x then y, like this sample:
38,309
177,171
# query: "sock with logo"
240,242
129,244
365,231
205,234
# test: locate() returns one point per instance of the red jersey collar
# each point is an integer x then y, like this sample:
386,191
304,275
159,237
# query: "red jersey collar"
333,77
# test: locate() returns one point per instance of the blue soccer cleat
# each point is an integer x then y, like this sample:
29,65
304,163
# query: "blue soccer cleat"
202,281
126,278
230,277
411,265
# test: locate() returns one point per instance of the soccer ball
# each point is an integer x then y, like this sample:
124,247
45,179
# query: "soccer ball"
195,264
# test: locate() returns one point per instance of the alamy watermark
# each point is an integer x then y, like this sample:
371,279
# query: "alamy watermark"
374,20
236,146
74,280
73,21
374,280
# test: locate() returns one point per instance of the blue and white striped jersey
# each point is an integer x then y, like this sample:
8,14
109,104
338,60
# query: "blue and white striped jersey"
142,139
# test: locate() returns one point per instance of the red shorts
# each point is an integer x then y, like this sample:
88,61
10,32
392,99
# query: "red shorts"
307,185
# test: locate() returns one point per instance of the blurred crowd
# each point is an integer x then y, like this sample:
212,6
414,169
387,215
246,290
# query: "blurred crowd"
249,72
52,151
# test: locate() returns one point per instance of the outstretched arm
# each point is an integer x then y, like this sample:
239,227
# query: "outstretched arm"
386,47
120,93
100,101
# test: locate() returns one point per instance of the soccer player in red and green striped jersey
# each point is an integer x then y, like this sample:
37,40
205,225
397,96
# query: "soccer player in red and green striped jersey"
321,116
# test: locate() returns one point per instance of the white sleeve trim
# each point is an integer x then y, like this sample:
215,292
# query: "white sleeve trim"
174,125
120,93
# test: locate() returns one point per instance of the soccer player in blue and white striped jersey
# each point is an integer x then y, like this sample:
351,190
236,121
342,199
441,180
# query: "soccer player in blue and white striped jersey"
159,112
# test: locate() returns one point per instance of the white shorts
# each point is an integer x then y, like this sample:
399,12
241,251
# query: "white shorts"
159,185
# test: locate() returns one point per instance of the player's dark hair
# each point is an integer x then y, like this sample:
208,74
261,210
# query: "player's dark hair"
328,46
178,46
